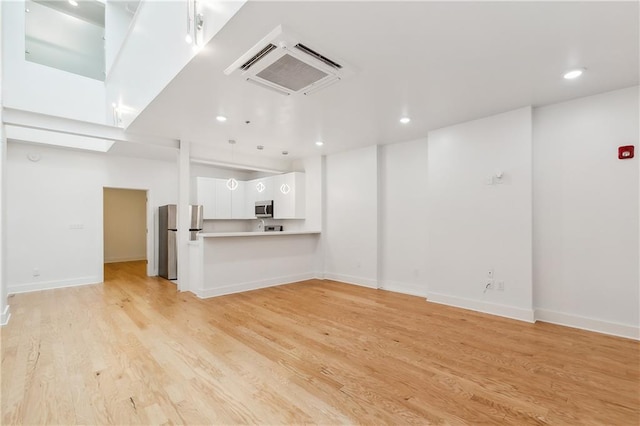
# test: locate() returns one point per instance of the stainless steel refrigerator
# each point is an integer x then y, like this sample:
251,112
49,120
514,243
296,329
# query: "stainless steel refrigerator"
168,241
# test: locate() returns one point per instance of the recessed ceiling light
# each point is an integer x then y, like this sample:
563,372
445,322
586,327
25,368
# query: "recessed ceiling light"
319,143
73,2
221,118
188,39
27,10
570,75
405,120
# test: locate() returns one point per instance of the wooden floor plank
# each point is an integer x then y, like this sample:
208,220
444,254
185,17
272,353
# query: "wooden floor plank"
133,350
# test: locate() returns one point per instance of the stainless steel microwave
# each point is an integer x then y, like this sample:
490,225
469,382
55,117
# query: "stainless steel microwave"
264,208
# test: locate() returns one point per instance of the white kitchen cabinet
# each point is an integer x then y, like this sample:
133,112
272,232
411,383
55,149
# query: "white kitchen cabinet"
223,200
239,202
219,202
287,192
260,190
289,196
206,196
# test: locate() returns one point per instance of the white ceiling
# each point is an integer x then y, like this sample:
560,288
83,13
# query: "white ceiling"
438,62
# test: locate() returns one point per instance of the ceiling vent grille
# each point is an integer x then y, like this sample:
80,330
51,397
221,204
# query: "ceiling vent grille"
273,64
318,56
258,56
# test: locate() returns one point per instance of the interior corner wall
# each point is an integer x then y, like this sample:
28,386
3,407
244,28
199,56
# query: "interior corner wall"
350,235
403,217
586,216
478,222
125,225
54,212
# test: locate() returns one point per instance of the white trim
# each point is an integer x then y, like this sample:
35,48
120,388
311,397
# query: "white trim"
50,285
126,259
350,279
484,307
204,293
590,324
5,316
405,288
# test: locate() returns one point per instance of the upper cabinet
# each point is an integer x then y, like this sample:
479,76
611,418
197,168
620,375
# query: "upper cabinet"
221,202
260,190
206,196
289,196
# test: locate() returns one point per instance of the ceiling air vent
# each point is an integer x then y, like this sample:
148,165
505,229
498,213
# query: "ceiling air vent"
279,62
318,56
257,56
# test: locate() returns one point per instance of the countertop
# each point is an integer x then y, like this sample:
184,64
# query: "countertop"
254,234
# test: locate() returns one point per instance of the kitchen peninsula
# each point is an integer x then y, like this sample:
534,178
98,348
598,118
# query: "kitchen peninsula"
231,262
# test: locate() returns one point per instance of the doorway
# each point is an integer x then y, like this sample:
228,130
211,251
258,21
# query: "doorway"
125,225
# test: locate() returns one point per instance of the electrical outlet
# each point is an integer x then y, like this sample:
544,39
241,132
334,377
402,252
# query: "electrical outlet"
500,285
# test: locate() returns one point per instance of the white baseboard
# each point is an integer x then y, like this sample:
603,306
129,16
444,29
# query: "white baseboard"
481,306
349,279
405,288
125,259
50,285
5,316
205,293
590,324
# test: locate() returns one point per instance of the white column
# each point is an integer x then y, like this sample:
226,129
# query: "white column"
183,215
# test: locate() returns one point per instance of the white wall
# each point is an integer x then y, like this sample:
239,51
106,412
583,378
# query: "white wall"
77,45
125,225
474,227
34,87
403,217
54,212
116,24
586,213
350,234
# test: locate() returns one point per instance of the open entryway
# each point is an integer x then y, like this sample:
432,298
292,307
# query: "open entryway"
125,225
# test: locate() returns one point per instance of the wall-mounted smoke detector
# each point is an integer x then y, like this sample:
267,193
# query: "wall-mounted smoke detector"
284,63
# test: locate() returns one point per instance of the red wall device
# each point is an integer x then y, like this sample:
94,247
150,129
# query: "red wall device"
625,152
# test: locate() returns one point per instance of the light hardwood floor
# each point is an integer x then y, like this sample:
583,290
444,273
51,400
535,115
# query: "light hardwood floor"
133,350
